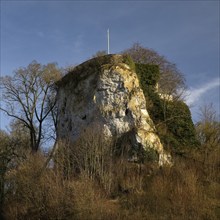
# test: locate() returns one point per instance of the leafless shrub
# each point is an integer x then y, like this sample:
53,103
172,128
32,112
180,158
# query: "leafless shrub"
37,197
91,154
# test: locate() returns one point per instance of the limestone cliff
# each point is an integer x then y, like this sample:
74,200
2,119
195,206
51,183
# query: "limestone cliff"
106,91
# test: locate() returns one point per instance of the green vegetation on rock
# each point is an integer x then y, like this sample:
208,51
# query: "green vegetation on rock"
127,60
172,118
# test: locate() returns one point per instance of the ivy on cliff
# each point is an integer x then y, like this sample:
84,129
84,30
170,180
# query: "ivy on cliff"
173,119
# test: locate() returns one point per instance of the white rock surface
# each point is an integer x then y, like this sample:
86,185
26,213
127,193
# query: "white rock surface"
106,92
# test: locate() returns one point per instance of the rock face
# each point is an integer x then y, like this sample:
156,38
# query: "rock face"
106,91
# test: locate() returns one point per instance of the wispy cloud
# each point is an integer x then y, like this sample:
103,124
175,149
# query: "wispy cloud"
194,94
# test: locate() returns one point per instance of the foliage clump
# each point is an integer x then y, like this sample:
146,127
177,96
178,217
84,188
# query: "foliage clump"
171,117
128,60
149,74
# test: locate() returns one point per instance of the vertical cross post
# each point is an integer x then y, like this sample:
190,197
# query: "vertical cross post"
108,41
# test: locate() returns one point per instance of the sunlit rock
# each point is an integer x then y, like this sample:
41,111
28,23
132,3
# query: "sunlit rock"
106,91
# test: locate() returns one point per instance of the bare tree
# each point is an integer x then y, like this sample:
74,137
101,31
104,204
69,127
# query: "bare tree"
208,133
171,80
28,96
208,128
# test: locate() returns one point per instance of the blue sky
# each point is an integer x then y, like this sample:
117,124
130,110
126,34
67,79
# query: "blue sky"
70,32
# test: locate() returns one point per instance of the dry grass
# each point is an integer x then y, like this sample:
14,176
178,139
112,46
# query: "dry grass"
88,183
173,193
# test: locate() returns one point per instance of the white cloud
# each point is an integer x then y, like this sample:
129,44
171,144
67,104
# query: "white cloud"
195,94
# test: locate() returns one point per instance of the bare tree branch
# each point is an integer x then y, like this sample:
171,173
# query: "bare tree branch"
25,97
